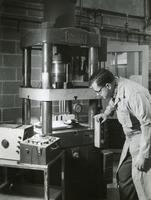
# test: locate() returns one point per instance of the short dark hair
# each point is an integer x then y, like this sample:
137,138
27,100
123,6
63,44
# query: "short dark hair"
101,77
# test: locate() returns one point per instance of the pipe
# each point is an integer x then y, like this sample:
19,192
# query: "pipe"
25,5
130,32
116,29
109,12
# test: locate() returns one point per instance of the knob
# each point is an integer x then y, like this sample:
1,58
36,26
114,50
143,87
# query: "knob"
5,143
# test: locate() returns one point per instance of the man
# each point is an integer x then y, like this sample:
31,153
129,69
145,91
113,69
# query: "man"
132,103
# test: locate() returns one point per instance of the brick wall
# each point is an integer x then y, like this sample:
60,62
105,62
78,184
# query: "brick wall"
9,80
18,17
14,21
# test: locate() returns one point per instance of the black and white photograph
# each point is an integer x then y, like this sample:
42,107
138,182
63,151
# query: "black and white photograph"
75,100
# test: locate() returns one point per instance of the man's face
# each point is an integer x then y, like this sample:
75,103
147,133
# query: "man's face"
102,91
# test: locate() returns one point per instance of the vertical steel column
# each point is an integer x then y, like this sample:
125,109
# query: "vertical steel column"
68,104
63,176
46,183
93,65
26,106
93,60
46,106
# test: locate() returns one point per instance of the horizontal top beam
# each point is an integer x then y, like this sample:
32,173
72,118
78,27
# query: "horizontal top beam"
64,36
57,94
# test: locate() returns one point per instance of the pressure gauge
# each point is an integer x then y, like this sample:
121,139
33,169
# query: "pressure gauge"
77,107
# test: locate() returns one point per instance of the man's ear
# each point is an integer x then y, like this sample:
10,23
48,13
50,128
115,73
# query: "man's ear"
108,85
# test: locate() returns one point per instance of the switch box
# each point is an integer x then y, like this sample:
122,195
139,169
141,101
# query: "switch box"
39,150
11,135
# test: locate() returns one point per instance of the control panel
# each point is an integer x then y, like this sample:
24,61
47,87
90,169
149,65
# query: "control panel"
38,149
39,141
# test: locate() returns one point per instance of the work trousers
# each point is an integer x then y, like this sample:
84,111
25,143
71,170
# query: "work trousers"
126,186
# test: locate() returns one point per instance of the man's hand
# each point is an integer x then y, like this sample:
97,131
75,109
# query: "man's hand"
101,117
143,164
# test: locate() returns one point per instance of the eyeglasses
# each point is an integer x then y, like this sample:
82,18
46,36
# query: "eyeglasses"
98,91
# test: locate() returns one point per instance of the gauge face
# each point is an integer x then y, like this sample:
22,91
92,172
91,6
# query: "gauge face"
77,108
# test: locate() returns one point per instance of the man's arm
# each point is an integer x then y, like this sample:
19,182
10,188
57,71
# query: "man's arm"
109,109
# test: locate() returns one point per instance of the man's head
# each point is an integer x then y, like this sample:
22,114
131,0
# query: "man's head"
102,82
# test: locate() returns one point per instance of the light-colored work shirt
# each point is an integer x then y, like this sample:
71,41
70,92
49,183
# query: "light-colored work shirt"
133,106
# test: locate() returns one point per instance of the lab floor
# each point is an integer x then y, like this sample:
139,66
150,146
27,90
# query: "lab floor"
10,197
112,193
